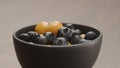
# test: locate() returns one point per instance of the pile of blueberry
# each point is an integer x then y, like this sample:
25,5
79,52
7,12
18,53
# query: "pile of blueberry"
66,35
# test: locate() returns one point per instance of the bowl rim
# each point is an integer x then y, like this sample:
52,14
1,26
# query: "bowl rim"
51,46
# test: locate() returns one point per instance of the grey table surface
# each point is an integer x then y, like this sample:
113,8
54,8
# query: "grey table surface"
101,14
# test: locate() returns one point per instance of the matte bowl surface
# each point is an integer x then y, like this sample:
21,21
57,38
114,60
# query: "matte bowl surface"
42,56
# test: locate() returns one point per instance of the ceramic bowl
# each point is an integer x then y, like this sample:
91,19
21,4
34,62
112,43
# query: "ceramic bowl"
42,56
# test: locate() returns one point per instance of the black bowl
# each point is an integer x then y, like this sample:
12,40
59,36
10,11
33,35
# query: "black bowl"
42,56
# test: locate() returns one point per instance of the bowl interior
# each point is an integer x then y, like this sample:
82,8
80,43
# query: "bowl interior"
83,29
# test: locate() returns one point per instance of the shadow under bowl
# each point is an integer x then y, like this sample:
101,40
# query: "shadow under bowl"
42,56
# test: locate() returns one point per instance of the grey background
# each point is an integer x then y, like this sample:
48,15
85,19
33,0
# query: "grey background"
102,14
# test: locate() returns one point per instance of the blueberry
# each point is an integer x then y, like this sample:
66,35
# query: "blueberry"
41,40
70,26
65,32
33,35
76,32
90,35
75,39
24,36
83,40
50,36
60,41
